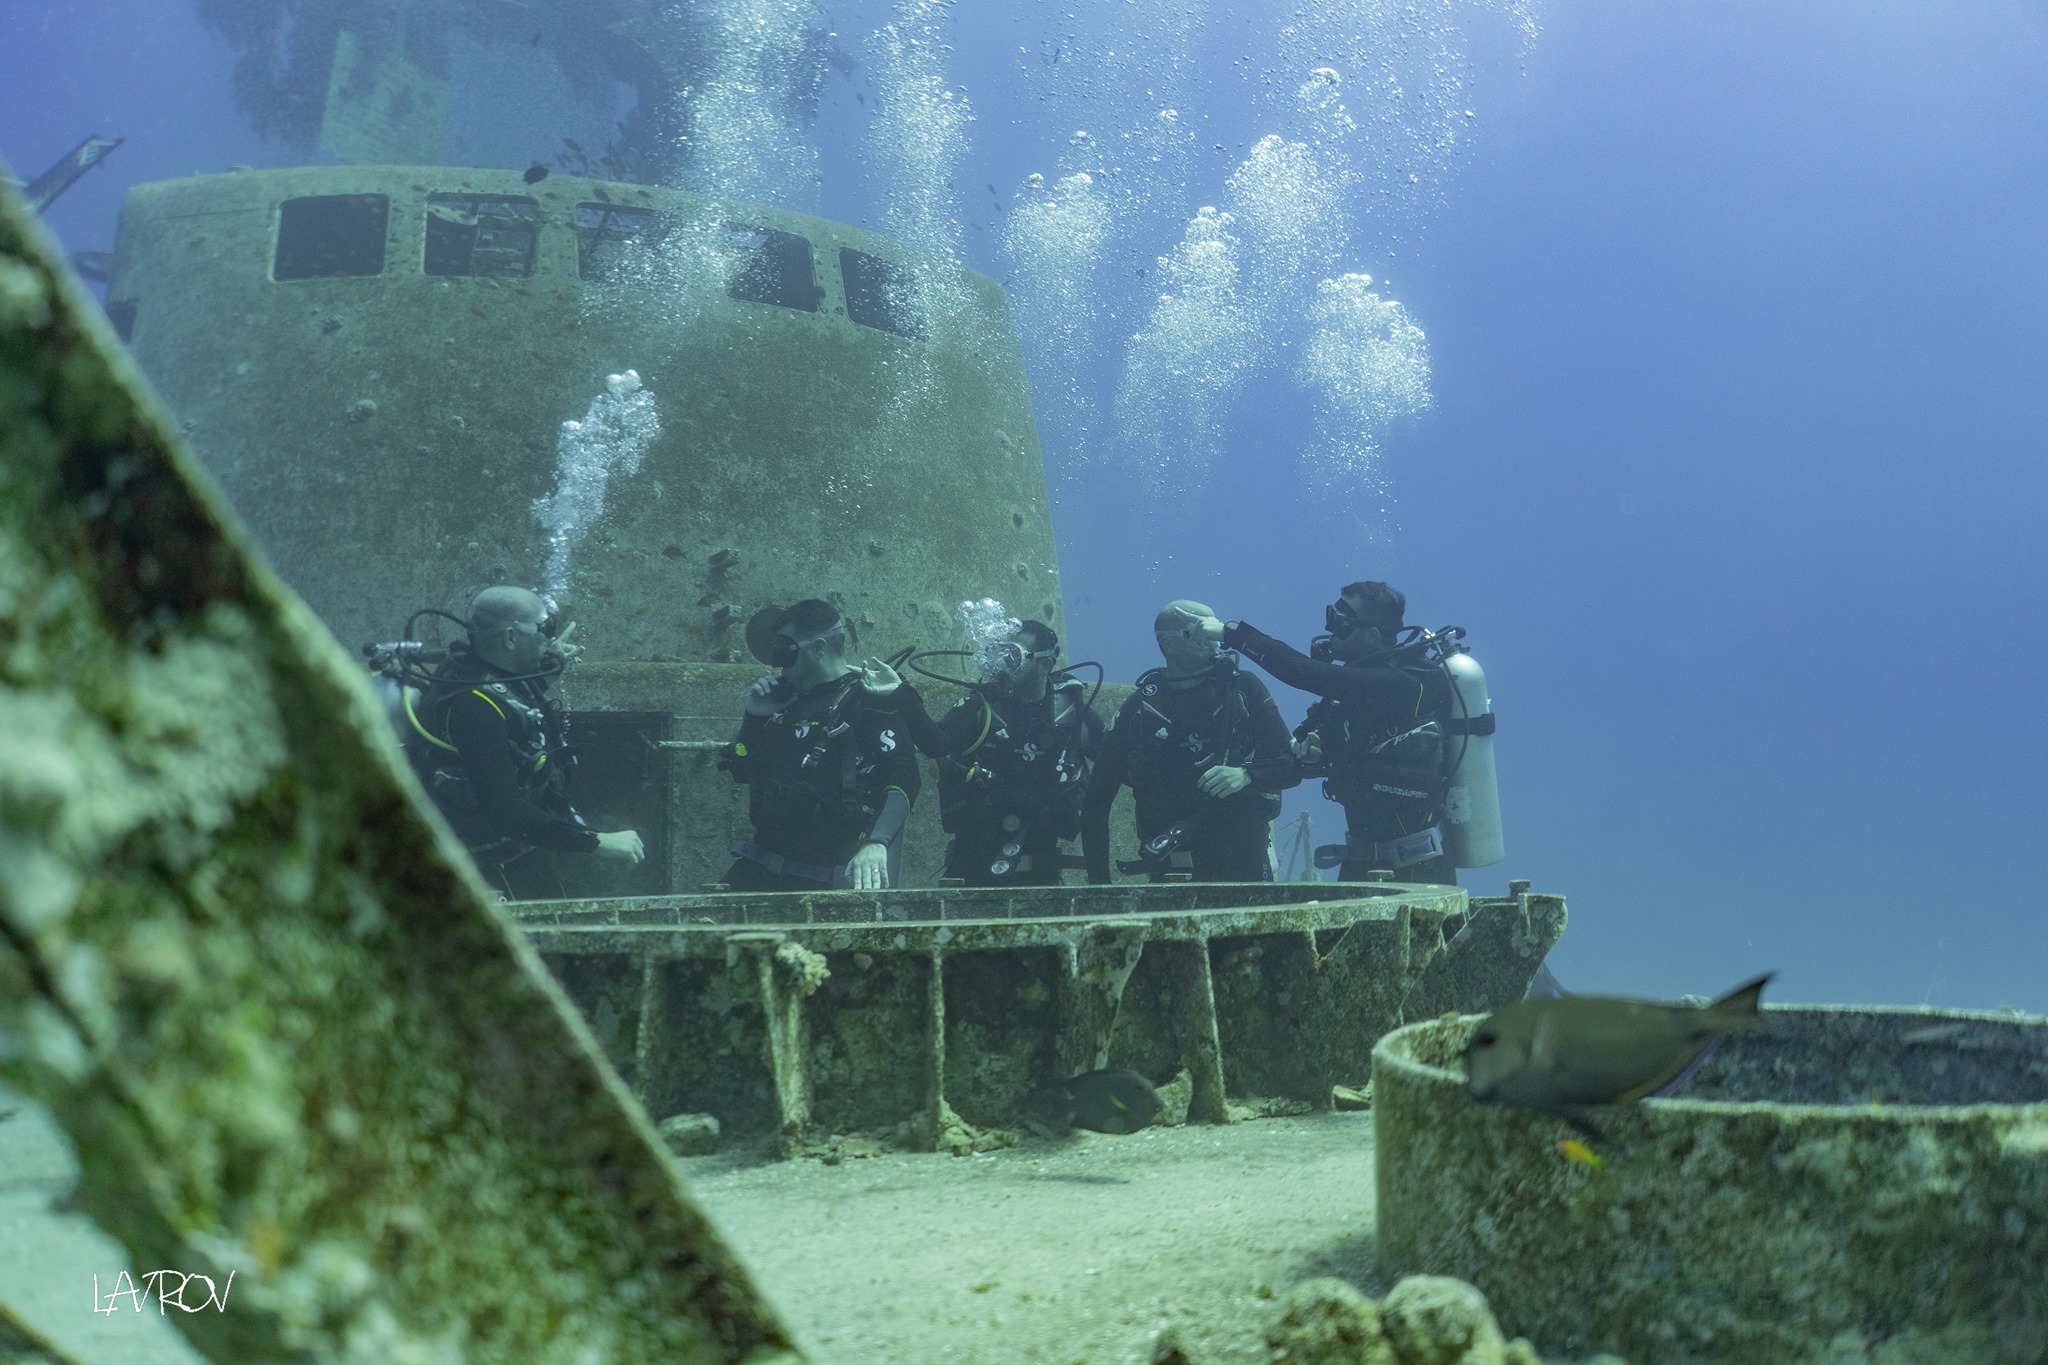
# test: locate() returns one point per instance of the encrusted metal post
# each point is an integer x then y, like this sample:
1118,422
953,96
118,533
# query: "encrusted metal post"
647,1034
1204,1053
788,973
938,1115
1099,960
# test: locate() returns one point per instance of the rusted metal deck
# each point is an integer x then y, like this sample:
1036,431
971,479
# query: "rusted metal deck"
922,1016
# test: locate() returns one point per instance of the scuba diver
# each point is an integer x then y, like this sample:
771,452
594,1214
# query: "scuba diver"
1014,759
1402,731
486,739
1204,751
829,767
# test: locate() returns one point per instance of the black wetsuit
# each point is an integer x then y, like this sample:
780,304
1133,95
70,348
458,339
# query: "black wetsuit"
489,749
1011,778
832,767
1162,741
1382,730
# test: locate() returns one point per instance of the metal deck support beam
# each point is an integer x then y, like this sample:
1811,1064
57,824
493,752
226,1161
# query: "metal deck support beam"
1198,1028
938,1115
647,1033
783,991
1099,962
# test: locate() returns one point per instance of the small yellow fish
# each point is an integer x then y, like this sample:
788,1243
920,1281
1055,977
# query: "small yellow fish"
1578,1152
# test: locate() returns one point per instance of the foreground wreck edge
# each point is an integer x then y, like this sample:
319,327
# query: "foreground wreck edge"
263,996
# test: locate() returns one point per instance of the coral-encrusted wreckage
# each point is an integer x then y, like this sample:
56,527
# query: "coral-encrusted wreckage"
266,999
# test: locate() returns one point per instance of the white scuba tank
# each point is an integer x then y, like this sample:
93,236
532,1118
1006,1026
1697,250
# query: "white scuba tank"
392,697
1472,805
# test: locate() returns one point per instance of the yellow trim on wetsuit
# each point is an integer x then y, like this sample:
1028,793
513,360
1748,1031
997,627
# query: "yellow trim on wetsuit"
425,733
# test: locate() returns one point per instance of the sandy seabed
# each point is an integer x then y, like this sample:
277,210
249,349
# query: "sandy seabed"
1069,1252
1079,1251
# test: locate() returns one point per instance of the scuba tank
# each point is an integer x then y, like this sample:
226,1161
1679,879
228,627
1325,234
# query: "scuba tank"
398,678
1471,810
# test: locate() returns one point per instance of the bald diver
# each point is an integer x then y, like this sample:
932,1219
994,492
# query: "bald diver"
487,742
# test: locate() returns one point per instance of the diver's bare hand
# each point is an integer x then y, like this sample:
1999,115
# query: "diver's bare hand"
569,653
877,677
1209,628
1307,749
1224,780
869,869
622,846
762,696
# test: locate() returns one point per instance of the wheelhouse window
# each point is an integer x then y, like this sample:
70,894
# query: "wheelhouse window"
481,234
880,294
764,265
327,236
614,241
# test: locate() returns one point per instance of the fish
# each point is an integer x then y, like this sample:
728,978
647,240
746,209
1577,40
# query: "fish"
535,174
1580,1154
1119,1101
1564,1056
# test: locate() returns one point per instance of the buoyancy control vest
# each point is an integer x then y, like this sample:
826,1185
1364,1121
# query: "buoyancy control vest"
1387,765
809,765
1172,750
540,759
1020,775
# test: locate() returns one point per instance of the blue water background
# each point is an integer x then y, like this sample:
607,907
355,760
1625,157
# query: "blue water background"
1738,315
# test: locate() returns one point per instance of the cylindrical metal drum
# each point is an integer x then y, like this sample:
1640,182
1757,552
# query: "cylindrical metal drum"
1840,1184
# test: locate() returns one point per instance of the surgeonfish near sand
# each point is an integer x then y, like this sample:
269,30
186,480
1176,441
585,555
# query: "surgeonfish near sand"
1564,1056
1101,1101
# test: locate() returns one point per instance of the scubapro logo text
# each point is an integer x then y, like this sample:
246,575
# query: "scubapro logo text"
167,1287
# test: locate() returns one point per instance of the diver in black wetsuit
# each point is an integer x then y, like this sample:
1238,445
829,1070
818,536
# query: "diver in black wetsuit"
486,740
826,758
1204,751
1379,730
1014,759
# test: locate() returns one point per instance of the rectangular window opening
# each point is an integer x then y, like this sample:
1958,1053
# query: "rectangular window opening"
329,236
615,242
764,265
880,294
492,235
